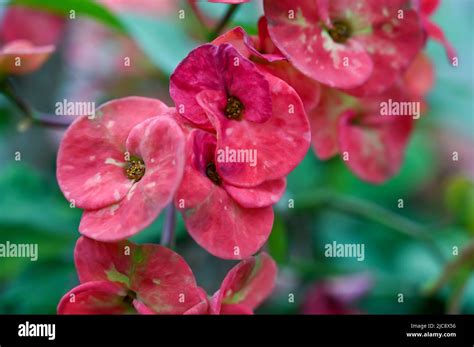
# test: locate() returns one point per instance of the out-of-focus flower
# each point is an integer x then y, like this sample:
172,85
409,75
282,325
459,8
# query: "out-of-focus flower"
122,166
361,46
226,220
371,143
24,48
123,277
336,295
427,8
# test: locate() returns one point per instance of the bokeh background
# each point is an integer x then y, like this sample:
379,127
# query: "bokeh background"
407,250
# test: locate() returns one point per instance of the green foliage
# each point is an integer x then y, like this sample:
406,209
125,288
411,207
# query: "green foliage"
459,198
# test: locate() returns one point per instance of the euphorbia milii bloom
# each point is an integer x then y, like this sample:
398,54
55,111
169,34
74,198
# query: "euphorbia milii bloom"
347,43
337,295
24,48
226,220
121,166
267,56
124,277
372,144
220,90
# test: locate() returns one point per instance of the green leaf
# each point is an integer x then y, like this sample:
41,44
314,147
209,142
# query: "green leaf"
278,241
459,198
81,7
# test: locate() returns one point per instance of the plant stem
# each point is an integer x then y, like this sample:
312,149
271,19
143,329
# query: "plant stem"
169,225
31,115
370,211
223,22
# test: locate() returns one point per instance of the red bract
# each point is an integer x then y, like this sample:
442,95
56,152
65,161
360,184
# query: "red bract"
226,220
222,69
121,166
268,58
426,9
245,286
371,144
346,43
249,109
123,277
25,48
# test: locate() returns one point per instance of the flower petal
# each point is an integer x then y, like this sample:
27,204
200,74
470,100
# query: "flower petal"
324,120
266,194
247,284
375,147
214,220
280,143
161,279
160,143
296,31
223,69
21,57
98,297
90,164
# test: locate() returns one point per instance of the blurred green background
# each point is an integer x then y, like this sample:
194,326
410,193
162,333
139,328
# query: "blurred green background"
331,204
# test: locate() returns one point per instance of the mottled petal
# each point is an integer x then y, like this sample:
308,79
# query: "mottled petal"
375,147
247,284
98,297
324,120
278,144
160,143
223,69
296,31
266,194
214,220
235,309
91,156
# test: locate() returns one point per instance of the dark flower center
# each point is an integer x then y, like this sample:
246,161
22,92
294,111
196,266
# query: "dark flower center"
211,173
233,108
340,31
128,299
135,169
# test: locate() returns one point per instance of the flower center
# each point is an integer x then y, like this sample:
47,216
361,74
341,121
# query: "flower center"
128,299
234,108
211,173
135,169
340,32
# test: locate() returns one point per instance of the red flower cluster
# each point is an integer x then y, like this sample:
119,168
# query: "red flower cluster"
239,127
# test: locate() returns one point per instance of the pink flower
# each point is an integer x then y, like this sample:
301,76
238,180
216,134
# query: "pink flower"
361,45
228,221
269,58
218,89
24,47
371,144
121,166
226,203
337,295
123,277
426,9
